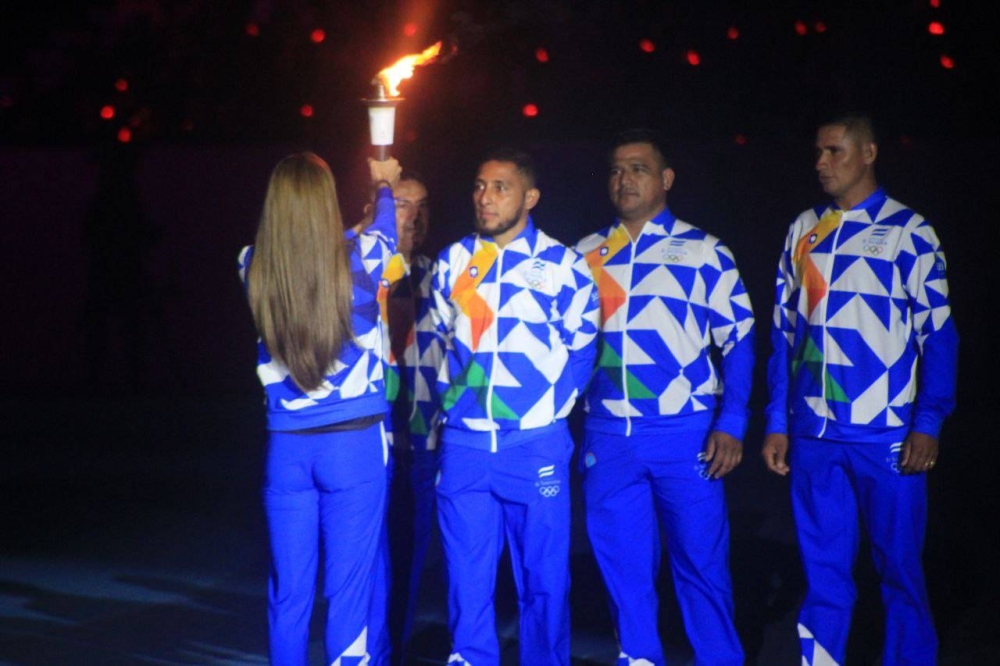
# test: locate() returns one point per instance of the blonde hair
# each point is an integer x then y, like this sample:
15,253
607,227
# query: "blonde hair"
299,282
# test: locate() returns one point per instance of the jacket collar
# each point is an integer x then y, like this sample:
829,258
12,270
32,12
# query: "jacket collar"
661,225
523,242
871,205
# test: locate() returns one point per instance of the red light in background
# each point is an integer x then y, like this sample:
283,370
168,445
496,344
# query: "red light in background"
947,62
529,110
121,85
819,26
647,45
740,140
693,58
733,32
107,112
306,110
801,28
410,29
124,135
935,4
936,28
317,35
253,29
541,55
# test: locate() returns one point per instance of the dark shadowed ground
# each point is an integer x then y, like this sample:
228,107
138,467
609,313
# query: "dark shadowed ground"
134,535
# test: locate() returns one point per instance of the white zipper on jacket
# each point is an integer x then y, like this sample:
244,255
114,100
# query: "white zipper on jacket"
628,296
827,275
496,352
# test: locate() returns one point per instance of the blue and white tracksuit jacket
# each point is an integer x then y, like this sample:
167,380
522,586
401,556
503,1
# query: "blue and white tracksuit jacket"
864,352
413,414
517,328
355,384
409,378
666,298
329,483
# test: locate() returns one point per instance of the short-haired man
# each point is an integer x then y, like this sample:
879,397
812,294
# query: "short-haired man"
516,314
404,296
861,376
660,431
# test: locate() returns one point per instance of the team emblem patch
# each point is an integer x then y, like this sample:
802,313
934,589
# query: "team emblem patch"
589,460
675,251
548,486
702,466
535,276
895,454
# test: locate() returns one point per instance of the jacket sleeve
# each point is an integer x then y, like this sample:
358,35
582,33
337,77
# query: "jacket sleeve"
782,340
732,323
580,309
426,407
923,270
243,264
441,325
383,230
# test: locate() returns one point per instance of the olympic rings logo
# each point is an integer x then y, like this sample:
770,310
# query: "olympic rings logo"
874,250
549,491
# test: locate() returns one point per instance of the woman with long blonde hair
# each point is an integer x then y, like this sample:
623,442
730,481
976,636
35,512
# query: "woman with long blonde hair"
312,291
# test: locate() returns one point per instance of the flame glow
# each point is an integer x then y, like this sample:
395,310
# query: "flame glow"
403,68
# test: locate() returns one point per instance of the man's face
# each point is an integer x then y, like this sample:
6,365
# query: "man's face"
502,200
638,183
844,165
412,215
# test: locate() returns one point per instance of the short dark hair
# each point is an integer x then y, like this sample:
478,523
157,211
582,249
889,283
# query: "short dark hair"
858,125
521,160
415,176
641,135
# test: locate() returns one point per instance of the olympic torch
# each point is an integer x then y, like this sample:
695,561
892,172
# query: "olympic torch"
385,97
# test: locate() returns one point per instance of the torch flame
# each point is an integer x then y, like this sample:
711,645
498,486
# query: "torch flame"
403,68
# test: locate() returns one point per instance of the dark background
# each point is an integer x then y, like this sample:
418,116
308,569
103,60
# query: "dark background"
133,439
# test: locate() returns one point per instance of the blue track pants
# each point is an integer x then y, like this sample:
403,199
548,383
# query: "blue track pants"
396,600
628,481
327,487
422,473
831,483
521,493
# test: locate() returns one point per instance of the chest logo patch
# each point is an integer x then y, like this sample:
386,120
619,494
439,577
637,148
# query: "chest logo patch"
675,252
535,275
876,242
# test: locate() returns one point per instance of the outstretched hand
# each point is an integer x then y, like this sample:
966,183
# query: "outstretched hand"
387,171
724,452
775,453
